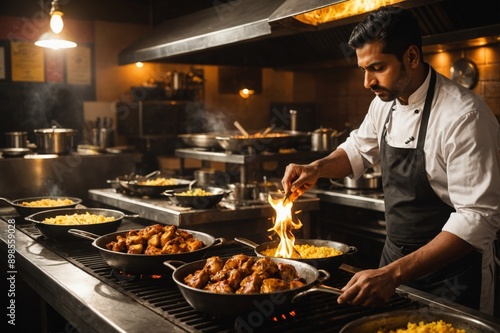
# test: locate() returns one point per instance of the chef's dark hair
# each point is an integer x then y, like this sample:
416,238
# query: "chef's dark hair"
395,27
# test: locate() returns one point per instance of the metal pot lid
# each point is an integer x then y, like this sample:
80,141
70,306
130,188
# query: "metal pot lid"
464,71
54,130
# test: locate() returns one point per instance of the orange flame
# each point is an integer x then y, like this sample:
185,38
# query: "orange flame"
283,226
341,10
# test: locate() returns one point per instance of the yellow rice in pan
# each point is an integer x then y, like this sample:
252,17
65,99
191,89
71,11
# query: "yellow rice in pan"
433,327
78,219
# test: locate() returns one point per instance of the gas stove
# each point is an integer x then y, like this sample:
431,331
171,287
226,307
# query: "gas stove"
158,299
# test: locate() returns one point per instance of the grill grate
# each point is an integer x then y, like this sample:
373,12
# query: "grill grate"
318,312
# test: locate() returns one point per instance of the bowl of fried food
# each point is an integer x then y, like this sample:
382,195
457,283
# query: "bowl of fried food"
198,197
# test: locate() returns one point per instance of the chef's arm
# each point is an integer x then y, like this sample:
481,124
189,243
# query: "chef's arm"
442,250
373,287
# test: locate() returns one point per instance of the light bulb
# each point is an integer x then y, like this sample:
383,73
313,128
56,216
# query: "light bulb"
56,22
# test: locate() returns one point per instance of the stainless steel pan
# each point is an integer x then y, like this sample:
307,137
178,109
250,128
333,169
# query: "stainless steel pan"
399,319
330,263
231,305
24,211
143,263
59,232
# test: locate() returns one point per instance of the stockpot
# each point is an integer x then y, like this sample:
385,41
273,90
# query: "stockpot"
55,140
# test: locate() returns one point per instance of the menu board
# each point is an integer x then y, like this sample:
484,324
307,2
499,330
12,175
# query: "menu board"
27,62
78,66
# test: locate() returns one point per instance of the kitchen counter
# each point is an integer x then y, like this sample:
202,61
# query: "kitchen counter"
372,199
226,220
93,306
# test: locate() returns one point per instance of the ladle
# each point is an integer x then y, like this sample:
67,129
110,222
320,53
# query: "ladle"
242,130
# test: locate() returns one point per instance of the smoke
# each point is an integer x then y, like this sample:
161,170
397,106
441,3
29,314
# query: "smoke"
202,120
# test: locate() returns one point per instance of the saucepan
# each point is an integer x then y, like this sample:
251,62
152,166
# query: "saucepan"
144,263
232,304
329,263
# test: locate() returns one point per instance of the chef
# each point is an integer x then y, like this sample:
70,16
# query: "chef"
437,144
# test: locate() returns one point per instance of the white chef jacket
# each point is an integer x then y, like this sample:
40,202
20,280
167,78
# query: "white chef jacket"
462,159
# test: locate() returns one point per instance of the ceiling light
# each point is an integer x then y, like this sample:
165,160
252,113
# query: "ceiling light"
53,38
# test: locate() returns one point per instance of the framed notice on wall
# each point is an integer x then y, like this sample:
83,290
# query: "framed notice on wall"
78,66
27,62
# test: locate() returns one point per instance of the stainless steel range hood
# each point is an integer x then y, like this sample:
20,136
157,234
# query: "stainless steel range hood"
265,33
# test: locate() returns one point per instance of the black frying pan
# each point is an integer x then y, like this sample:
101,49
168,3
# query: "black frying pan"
137,186
143,263
197,201
231,305
329,263
59,232
24,211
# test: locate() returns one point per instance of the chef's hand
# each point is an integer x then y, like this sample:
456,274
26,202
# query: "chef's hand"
372,287
298,179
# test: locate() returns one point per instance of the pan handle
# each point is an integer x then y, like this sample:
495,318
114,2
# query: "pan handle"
352,250
8,201
132,216
246,242
219,241
173,264
319,288
168,193
83,234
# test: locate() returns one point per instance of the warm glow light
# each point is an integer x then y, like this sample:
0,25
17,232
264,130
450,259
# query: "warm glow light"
283,226
139,64
53,38
341,10
245,93
56,22
54,41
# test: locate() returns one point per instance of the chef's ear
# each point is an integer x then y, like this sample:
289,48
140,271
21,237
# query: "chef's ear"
413,56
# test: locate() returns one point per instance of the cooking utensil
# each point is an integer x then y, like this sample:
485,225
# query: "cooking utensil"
202,140
368,181
59,232
243,192
230,305
55,140
329,263
116,183
273,141
24,211
241,129
137,187
14,152
143,263
324,140
399,319
197,201
16,139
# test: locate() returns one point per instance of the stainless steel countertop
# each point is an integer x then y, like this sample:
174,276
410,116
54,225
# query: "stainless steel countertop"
92,306
362,199
163,211
87,303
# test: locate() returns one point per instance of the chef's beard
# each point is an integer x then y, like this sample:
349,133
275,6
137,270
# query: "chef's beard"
399,86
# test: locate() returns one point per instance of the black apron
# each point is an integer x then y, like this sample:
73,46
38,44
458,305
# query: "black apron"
415,215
